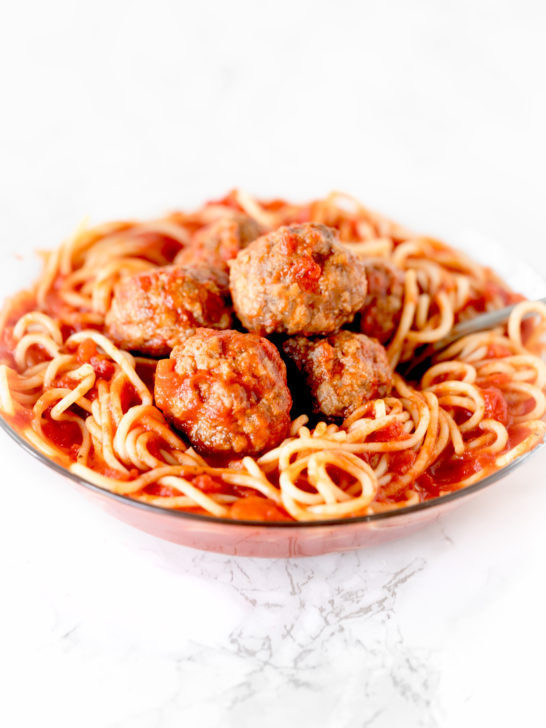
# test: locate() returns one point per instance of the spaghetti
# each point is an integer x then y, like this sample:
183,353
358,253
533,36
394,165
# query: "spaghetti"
85,403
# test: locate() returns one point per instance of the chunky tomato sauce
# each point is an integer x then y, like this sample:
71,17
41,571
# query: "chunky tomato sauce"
392,432
87,353
496,407
65,435
161,491
496,351
305,270
516,435
21,419
256,508
401,462
307,273
451,469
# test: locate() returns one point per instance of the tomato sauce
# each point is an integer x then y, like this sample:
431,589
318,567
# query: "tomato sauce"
392,432
516,435
451,469
21,419
427,487
257,508
306,273
65,435
87,353
97,464
497,351
304,269
128,396
21,304
493,292
527,329
496,407
207,484
147,372
498,380
161,491
400,462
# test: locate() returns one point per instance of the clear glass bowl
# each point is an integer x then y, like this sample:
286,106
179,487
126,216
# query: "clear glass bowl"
286,539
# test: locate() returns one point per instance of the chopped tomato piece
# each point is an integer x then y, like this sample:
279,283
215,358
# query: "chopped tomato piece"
256,508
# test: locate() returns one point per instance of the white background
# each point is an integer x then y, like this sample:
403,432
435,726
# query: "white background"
432,112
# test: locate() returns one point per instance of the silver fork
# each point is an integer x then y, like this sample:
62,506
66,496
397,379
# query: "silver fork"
483,322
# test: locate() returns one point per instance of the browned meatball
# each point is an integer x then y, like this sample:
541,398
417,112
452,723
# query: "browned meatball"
219,242
342,371
150,311
226,391
297,280
383,306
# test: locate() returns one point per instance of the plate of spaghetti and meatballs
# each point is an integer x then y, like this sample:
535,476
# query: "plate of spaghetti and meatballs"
223,376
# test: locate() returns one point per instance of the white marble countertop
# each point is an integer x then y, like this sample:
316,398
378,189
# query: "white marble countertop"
431,112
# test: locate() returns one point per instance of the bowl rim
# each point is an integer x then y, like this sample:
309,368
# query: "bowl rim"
387,515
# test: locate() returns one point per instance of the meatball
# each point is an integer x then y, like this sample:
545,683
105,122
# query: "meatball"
226,391
219,242
152,310
297,280
342,371
383,305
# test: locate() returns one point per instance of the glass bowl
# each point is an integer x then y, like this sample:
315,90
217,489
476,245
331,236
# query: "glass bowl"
288,539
